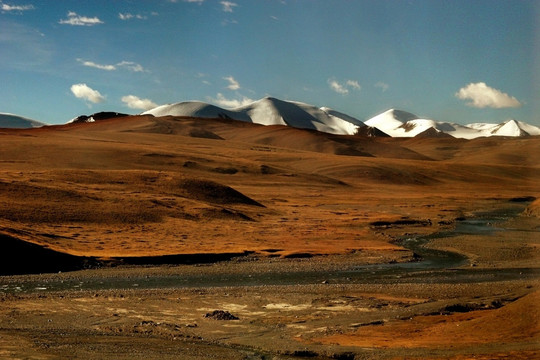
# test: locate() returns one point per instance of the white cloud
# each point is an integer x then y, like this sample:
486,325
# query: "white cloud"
74,19
337,87
83,91
228,6
233,84
353,84
344,88
134,102
128,16
192,1
382,86
227,22
97,66
7,8
230,103
130,65
482,96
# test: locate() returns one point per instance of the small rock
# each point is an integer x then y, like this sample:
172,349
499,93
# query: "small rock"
220,315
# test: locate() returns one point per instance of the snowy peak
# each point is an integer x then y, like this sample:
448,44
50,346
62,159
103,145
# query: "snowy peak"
399,123
269,111
272,111
390,119
509,128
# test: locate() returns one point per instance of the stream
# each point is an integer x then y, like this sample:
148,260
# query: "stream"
433,266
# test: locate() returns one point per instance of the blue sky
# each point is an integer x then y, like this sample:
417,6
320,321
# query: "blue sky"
458,61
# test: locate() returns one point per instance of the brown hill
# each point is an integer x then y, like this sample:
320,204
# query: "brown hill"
144,186
515,322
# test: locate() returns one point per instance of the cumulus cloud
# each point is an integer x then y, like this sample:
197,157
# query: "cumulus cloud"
228,6
75,19
18,8
83,91
129,65
382,86
483,96
230,103
343,88
233,84
134,102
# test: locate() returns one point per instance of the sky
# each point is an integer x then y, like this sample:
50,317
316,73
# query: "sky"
459,61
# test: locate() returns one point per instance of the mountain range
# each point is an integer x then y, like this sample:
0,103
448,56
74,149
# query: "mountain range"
394,123
273,111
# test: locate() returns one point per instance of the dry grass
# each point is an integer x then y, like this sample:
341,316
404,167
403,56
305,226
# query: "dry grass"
150,186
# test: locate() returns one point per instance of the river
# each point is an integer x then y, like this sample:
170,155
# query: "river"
432,266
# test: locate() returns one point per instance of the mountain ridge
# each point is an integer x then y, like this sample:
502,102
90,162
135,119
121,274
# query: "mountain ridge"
392,122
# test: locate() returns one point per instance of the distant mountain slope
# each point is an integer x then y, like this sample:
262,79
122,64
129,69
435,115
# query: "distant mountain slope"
196,109
19,122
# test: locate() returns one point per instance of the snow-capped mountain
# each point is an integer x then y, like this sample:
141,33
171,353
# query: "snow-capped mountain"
18,122
395,123
514,128
269,111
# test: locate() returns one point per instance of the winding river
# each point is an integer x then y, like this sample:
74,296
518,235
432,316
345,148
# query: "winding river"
433,266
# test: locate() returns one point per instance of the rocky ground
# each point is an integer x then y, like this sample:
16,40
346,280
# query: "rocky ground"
387,319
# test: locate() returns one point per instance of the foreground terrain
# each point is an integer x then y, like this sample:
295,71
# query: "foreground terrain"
126,198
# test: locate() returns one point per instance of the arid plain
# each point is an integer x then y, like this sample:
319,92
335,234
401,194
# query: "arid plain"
140,198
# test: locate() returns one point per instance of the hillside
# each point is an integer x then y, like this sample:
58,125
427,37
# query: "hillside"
221,186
